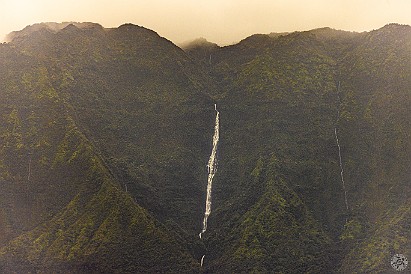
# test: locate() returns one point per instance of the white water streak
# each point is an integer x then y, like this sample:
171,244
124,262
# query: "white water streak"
212,169
29,170
341,168
202,261
339,148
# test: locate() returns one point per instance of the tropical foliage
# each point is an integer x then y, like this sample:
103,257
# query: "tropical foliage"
105,136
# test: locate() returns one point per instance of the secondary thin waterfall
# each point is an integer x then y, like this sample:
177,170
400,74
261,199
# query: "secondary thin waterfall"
339,149
202,260
341,168
212,169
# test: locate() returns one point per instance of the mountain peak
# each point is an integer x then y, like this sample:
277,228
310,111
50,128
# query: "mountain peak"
70,27
396,26
135,29
256,40
393,28
53,27
198,43
392,32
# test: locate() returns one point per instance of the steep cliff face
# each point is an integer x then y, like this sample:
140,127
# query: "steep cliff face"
85,123
287,96
106,134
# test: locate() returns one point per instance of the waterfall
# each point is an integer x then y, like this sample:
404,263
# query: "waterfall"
28,175
29,169
202,261
339,147
341,168
212,169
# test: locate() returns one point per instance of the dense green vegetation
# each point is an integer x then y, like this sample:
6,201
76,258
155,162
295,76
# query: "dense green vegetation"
105,136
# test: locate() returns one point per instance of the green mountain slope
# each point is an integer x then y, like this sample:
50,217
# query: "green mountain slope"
106,133
277,233
376,126
286,96
58,181
144,105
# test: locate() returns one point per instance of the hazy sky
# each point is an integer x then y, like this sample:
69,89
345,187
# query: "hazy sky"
221,21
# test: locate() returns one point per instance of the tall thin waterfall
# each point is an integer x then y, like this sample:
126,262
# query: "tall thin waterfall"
212,169
339,148
341,168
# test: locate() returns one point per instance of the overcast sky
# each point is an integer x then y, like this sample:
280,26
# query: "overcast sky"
220,21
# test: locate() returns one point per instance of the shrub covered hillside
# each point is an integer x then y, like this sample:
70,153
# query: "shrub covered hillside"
282,100
106,133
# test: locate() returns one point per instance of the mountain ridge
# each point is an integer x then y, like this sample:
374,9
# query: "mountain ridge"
106,135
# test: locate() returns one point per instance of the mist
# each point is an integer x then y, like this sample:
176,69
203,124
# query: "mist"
220,21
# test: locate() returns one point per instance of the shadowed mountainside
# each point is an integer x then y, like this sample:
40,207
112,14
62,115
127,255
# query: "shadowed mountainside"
106,134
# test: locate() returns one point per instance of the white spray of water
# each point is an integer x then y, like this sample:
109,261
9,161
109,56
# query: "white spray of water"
339,150
202,260
29,169
212,169
28,175
341,168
